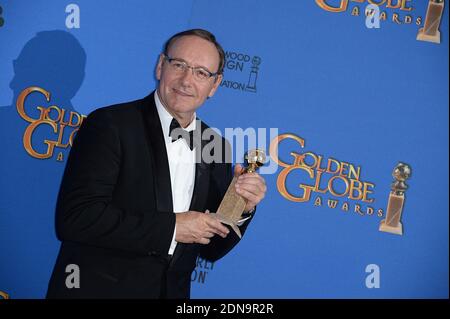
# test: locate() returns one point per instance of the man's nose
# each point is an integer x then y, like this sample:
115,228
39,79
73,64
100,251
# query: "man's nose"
187,77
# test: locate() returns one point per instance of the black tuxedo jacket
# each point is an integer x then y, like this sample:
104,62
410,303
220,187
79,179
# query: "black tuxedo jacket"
114,213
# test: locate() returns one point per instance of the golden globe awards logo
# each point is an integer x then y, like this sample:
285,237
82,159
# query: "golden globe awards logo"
242,71
63,125
397,11
3,295
340,181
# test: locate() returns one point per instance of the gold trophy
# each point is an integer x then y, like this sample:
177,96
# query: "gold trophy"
392,222
430,31
232,205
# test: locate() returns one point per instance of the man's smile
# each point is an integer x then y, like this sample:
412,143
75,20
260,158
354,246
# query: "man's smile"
182,93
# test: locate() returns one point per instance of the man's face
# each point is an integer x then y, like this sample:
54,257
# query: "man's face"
182,94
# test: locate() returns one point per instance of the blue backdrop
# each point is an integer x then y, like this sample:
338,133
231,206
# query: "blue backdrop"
370,97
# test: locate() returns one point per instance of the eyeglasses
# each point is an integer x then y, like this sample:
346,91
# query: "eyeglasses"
180,67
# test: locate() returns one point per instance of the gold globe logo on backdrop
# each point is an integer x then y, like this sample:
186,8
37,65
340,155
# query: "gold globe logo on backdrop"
63,124
403,5
323,179
241,71
3,295
429,32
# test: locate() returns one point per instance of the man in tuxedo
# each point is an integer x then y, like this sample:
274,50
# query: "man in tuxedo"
137,200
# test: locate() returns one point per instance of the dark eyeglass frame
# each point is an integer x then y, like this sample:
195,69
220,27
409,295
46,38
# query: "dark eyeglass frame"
193,68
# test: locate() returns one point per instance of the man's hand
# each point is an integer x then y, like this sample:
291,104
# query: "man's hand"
196,227
250,186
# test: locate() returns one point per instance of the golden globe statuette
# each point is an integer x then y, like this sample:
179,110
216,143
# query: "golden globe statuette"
430,31
232,205
392,222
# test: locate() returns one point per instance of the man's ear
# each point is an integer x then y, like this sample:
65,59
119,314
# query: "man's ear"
159,67
215,85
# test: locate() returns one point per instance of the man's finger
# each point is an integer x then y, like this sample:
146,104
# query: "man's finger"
252,185
203,241
249,196
238,170
208,234
251,188
254,177
217,227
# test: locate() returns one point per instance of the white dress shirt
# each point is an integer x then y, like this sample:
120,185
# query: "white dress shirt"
181,165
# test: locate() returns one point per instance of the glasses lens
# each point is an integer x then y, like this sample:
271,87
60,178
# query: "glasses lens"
178,66
201,74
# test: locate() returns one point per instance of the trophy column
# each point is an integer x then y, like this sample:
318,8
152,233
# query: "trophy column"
232,205
392,222
430,31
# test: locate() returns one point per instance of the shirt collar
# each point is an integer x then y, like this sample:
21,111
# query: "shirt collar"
166,118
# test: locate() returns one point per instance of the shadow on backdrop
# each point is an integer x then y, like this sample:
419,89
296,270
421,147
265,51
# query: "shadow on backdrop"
54,61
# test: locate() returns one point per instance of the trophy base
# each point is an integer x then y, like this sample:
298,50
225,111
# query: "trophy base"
421,36
228,222
398,230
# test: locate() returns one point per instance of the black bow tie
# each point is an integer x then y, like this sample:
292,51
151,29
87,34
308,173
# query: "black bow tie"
176,132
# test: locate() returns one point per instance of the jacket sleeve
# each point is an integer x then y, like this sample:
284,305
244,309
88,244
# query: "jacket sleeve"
86,212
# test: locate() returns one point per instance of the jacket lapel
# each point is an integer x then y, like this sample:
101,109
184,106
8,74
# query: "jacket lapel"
158,154
160,162
200,193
